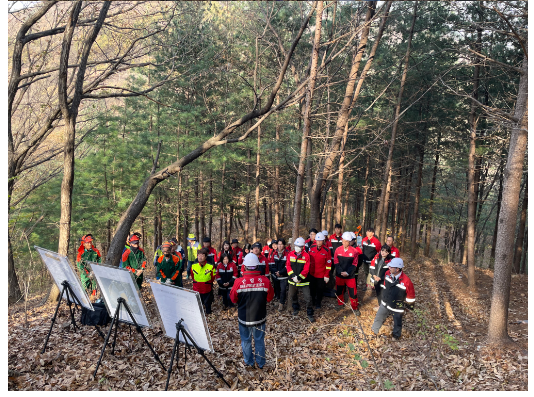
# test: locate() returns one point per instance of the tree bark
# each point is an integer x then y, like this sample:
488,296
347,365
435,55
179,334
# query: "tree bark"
432,193
382,209
221,204
499,198
518,252
500,300
307,121
247,201
257,194
277,231
417,197
471,208
365,191
343,116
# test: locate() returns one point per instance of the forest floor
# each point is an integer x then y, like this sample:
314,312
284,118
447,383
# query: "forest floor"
441,346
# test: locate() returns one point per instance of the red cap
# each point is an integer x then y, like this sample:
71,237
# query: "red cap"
134,238
87,239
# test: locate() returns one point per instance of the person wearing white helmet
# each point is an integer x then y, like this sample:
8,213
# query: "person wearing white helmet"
298,268
327,242
251,292
346,262
397,295
321,262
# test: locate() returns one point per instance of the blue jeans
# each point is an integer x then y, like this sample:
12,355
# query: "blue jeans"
246,333
189,265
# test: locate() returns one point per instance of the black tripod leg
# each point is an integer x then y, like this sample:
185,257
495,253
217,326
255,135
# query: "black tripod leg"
172,359
100,332
143,335
53,320
115,318
72,320
115,337
201,352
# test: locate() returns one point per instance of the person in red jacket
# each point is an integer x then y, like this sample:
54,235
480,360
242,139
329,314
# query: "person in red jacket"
251,293
370,247
226,249
327,242
346,262
335,239
225,277
398,294
212,253
298,268
321,262
238,252
263,267
377,270
394,250
266,248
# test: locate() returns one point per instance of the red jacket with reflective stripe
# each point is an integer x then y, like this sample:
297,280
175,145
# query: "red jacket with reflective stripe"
395,252
251,293
370,248
298,268
321,261
347,261
238,255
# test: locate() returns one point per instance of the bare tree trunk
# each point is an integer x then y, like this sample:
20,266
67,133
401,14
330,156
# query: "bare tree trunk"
471,206
307,121
340,177
525,254
210,219
365,191
417,197
405,214
221,210
247,202
518,252
197,230
257,197
499,198
202,213
277,231
386,181
343,116
500,300
432,193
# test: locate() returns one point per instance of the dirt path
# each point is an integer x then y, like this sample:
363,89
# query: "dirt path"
439,348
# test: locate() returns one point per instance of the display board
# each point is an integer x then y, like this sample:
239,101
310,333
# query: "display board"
175,303
61,270
115,282
359,241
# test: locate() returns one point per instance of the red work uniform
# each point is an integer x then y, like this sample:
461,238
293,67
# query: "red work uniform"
212,256
395,252
238,255
263,267
321,263
347,261
335,241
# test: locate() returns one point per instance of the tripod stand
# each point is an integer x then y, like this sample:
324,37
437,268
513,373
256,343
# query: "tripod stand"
175,350
115,320
65,290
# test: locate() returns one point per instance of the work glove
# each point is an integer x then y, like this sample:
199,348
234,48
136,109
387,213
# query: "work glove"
326,279
296,279
169,281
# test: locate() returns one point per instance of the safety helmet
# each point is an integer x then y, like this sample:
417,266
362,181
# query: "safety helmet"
346,236
299,242
251,261
320,237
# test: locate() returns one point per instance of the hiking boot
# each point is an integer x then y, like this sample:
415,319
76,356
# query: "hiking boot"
295,312
395,337
340,307
357,312
311,318
376,308
280,307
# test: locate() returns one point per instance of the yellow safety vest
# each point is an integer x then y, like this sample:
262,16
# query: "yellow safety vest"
202,274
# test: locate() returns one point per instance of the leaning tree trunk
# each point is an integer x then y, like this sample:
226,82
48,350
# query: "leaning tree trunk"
307,122
500,300
382,210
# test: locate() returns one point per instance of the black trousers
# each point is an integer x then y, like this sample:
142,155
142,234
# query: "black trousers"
317,287
225,293
276,286
378,290
207,300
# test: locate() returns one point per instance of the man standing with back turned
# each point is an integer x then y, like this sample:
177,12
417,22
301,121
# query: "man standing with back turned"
251,293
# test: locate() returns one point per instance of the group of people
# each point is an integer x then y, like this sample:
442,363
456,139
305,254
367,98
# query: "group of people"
252,276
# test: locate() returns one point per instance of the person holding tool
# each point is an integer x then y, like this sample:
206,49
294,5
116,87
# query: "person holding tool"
87,252
169,266
134,260
251,293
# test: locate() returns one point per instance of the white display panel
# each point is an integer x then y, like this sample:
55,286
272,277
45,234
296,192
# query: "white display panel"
175,303
115,282
61,270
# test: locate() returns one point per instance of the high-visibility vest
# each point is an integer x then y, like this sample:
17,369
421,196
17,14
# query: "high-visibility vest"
203,274
192,252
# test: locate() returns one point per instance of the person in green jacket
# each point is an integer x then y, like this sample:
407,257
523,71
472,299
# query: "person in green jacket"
134,260
87,252
169,265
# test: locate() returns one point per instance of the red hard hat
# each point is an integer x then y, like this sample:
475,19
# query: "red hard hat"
134,238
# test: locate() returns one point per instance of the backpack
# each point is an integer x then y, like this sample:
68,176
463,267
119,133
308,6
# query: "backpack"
99,316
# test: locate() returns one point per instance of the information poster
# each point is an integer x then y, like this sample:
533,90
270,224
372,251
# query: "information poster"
119,283
61,270
175,303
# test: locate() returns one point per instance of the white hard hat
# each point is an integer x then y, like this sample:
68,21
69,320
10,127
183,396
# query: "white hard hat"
319,237
346,236
396,262
251,261
325,232
353,235
299,242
